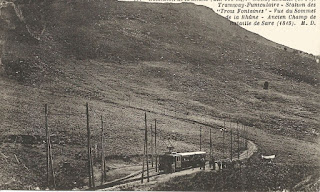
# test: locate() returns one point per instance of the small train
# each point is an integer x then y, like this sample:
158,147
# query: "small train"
172,161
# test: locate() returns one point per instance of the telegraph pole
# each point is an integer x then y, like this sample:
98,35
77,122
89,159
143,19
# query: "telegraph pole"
47,138
238,141
51,161
49,152
223,131
89,147
200,139
210,143
146,141
155,143
246,139
231,146
243,136
210,147
103,163
143,159
151,145
144,146
93,184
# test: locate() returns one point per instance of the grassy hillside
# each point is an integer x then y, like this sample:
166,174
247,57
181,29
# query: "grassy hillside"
183,63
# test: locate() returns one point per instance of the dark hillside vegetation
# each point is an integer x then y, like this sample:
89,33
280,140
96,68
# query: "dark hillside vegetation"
178,61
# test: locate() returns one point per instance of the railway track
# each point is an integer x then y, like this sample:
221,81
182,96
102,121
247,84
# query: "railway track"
134,177
127,179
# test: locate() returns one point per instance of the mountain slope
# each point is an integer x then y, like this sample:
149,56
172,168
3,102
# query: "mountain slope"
178,61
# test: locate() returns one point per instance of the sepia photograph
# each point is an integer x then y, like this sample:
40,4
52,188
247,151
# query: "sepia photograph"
160,95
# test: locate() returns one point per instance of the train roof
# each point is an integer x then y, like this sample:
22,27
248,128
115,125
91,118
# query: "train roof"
192,153
185,153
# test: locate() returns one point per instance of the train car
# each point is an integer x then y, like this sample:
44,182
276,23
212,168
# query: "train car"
172,162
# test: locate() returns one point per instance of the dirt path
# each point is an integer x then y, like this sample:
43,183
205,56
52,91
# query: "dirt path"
156,179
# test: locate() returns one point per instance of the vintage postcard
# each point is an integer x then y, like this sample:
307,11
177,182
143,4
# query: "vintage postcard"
160,95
